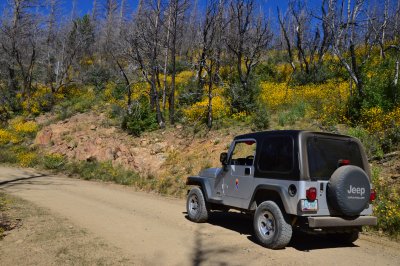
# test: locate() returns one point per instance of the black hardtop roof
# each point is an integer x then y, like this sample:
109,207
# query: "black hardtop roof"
293,133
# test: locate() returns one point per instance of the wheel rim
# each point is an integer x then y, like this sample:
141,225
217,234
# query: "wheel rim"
266,224
193,205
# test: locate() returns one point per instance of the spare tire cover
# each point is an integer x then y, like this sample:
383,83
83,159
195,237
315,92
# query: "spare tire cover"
349,190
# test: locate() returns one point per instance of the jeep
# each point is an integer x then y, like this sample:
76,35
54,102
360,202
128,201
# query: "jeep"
289,180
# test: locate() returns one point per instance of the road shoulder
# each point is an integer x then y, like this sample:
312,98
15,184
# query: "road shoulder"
44,238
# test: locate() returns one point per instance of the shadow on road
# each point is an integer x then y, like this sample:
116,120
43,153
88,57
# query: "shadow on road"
206,253
21,179
306,242
24,178
243,224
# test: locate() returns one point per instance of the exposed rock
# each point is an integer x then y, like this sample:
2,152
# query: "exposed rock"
82,138
143,142
162,157
135,151
111,130
124,149
91,159
160,147
108,155
72,145
44,137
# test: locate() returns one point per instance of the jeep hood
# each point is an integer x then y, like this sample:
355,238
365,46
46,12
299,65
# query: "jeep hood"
210,172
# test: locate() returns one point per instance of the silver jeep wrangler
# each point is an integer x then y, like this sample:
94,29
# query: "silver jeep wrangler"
289,180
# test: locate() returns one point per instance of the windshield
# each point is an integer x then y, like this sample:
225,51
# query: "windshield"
325,155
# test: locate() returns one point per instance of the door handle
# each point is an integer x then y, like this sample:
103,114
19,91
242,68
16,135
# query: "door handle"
247,171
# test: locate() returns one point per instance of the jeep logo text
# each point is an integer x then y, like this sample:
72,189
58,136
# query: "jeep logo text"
356,190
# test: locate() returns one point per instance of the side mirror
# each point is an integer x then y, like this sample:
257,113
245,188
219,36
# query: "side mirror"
223,158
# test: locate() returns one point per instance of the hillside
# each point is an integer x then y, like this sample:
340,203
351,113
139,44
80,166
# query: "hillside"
170,155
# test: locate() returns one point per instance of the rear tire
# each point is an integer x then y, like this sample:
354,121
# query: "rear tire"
270,227
196,206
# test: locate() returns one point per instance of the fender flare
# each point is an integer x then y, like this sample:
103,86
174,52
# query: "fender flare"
284,196
202,183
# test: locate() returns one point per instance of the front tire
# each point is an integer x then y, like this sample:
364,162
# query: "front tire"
271,229
196,206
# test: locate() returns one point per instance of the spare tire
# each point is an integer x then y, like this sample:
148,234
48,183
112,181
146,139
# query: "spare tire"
349,190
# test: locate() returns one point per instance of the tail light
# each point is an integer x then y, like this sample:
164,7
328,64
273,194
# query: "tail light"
343,162
372,196
311,194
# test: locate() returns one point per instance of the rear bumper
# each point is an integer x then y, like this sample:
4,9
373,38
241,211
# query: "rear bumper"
319,222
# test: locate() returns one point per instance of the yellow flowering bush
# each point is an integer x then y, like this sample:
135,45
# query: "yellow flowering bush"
240,116
327,100
285,70
139,90
27,159
40,99
274,94
111,97
388,212
82,92
181,78
22,127
7,137
87,61
17,131
375,120
394,117
387,203
184,77
199,110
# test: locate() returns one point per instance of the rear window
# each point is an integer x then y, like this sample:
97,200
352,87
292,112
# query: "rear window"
325,155
276,155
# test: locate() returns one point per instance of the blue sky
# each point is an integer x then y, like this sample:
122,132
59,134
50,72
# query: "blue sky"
269,6
85,6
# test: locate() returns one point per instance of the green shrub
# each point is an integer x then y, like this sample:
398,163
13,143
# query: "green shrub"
140,119
80,103
116,111
165,185
243,100
387,204
379,87
7,155
103,171
317,75
295,113
97,75
53,161
266,72
391,139
370,142
3,207
189,93
261,118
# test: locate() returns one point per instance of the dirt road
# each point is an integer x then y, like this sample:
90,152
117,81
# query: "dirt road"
152,230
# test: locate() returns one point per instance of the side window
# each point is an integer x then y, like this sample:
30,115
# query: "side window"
243,153
276,155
